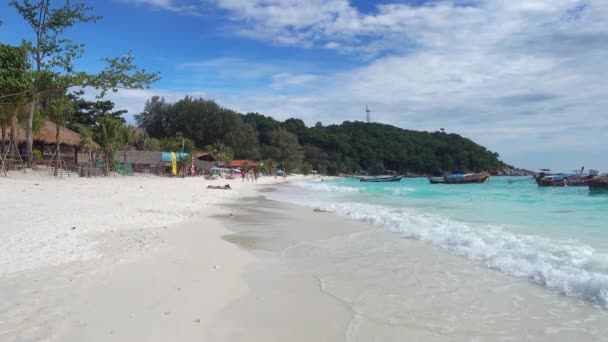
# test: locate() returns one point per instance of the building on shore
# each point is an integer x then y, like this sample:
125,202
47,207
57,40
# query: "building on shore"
239,164
45,141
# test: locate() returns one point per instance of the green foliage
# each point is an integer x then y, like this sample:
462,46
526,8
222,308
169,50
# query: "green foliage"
184,161
306,169
143,142
37,154
90,113
127,136
13,71
87,141
202,121
268,166
109,140
14,82
228,156
53,55
58,109
332,149
176,143
285,149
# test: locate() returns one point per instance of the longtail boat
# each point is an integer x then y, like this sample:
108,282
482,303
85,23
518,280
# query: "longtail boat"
564,179
381,179
469,178
599,183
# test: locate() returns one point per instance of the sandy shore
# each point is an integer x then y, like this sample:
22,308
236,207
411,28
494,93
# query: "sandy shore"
322,277
116,259
158,259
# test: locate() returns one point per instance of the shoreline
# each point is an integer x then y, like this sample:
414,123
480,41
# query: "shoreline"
235,266
395,287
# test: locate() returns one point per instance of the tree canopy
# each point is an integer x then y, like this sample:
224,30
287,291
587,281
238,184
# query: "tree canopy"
52,57
346,148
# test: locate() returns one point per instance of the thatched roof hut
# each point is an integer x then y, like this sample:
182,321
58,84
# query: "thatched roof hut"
47,134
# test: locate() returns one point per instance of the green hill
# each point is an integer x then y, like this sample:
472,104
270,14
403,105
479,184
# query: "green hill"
346,148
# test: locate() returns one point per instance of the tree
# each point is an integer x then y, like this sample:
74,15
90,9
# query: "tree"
288,151
58,109
343,148
87,143
128,134
53,55
13,84
143,142
108,139
90,113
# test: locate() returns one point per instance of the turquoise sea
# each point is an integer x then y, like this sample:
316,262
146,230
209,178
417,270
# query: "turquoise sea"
555,237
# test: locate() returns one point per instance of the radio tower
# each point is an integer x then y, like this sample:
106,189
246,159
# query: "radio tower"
367,111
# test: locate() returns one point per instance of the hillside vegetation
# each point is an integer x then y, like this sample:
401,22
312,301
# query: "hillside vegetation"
350,147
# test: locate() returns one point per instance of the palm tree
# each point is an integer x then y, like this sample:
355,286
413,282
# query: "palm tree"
10,110
87,143
128,134
108,138
57,112
5,122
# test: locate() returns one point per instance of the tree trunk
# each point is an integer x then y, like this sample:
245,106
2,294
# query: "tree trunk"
125,168
15,137
3,140
29,139
57,151
89,163
106,161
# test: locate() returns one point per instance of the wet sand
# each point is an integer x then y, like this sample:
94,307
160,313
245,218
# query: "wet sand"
321,277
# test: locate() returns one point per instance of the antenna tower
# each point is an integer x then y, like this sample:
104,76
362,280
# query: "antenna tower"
367,111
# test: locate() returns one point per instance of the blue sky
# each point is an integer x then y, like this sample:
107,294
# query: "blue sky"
526,78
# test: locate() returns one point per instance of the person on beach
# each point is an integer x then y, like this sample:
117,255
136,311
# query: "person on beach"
243,176
219,187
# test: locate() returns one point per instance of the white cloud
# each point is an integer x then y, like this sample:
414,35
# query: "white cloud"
523,77
169,5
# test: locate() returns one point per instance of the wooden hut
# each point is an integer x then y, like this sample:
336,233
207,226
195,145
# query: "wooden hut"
45,141
146,162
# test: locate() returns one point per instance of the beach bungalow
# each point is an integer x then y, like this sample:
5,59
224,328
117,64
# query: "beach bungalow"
239,164
45,141
146,162
204,162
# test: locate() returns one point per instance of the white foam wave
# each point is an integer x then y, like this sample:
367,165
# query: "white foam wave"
566,266
399,191
326,187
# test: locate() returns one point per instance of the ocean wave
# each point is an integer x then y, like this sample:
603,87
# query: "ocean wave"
317,186
399,191
566,266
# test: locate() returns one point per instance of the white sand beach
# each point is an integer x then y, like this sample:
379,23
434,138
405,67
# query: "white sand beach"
161,259
115,259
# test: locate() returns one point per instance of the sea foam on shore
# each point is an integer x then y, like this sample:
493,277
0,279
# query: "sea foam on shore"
567,266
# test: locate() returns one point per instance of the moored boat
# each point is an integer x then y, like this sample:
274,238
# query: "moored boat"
599,183
382,179
564,179
469,178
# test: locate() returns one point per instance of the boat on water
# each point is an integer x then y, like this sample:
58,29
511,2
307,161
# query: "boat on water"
545,178
599,183
460,178
381,179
